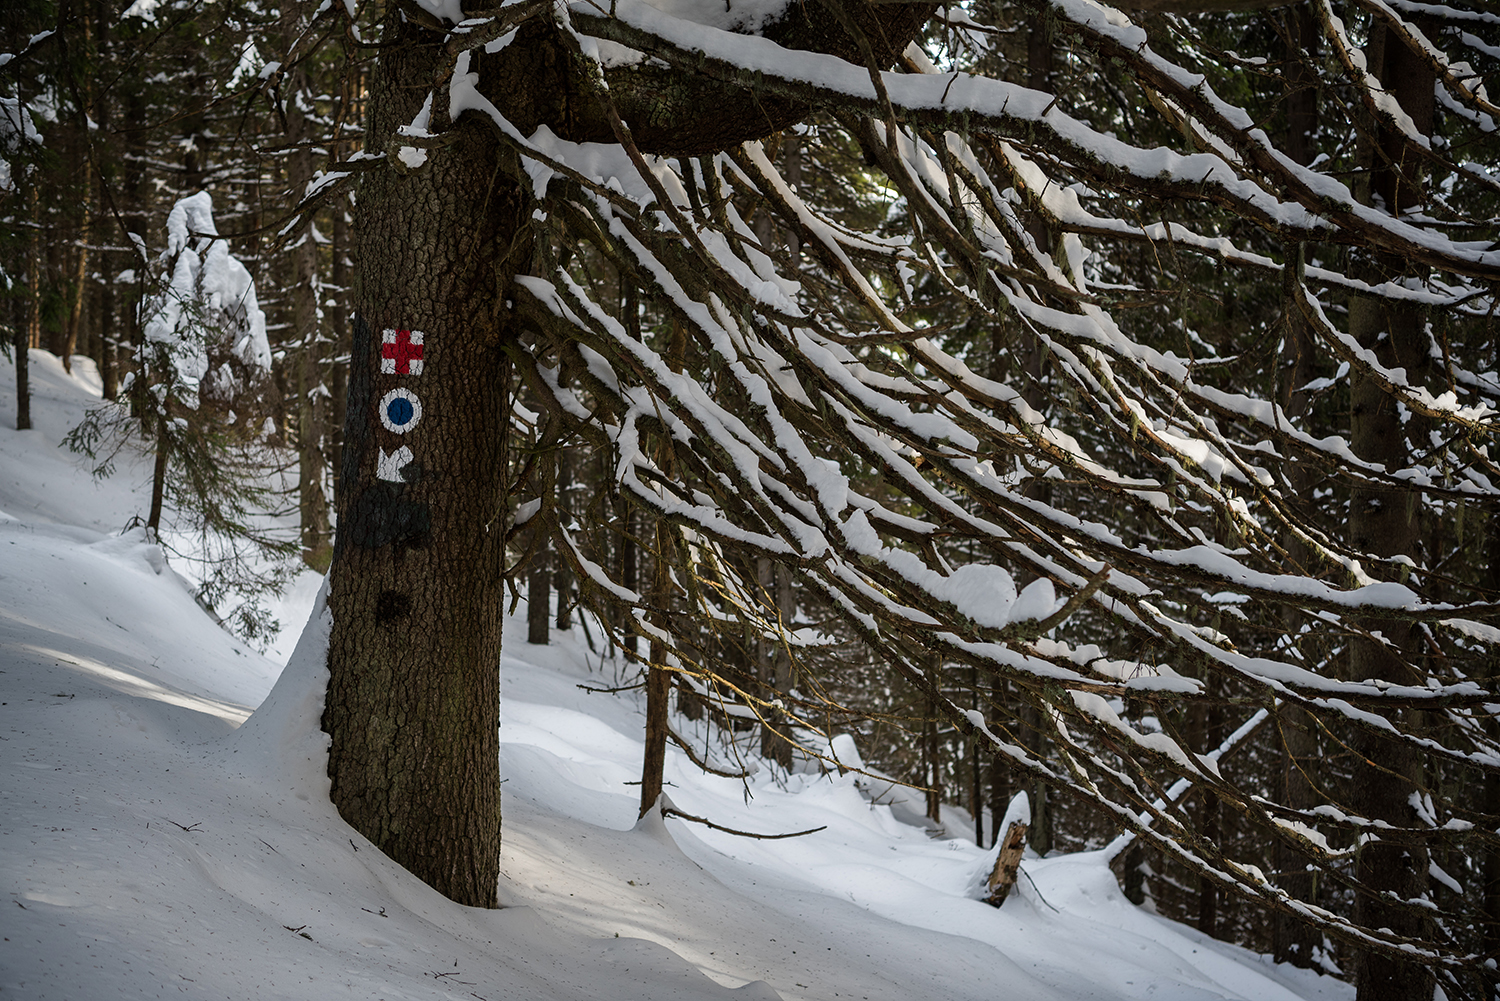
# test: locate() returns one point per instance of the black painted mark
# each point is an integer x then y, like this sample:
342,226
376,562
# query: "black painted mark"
390,606
383,515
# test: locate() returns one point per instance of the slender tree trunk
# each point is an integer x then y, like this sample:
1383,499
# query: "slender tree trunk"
307,366
159,476
562,576
931,759
78,289
1293,940
26,336
776,731
976,759
999,775
1210,825
658,678
107,159
539,573
1040,832
338,328
1491,787
108,376
416,591
21,346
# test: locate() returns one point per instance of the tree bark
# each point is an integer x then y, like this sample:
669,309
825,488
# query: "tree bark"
21,345
338,328
1293,940
1007,864
932,764
78,287
539,573
26,337
312,499
416,591
776,741
562,577
658,678
159,476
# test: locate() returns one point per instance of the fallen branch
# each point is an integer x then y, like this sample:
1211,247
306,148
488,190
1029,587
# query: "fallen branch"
672,811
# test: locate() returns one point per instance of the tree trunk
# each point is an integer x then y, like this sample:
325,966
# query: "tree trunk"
109,376
976,762
776,733
1210,822
416,588
26,337
999,772
338,327
658,678
932,764
1293,940
78,287
562,577
159,476
107,162
1384,522
539,573
21,345
312,499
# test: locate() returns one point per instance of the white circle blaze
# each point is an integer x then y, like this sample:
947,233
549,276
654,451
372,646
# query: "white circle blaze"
400,410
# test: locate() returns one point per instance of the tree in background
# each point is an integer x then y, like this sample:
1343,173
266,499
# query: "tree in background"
198,393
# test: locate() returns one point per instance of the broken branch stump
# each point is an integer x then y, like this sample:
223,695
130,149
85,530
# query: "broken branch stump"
1007,864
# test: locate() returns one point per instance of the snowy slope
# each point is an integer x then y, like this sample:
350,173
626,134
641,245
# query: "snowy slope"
152,846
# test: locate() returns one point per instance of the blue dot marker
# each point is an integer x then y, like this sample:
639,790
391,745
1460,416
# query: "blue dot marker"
400,410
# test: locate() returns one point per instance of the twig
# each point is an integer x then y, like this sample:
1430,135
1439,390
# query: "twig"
700,762
670,811
1034,887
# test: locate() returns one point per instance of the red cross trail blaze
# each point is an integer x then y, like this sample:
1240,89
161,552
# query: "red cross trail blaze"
401,352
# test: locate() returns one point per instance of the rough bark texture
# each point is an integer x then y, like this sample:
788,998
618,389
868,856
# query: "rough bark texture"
413,696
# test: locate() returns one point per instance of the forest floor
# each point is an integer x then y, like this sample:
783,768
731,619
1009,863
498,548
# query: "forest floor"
159,840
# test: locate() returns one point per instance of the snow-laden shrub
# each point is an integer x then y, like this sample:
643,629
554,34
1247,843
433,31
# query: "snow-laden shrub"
202,404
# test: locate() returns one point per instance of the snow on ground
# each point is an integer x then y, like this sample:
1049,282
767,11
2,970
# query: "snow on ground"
152,846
